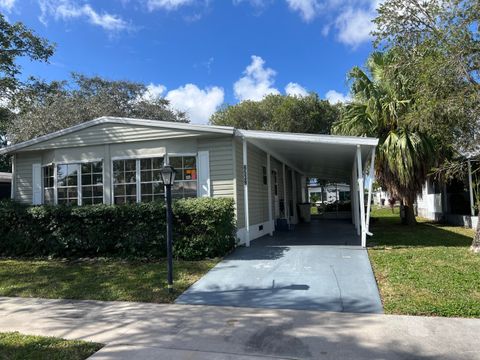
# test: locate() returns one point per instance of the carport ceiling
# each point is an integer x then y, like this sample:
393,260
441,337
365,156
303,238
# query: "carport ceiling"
326,157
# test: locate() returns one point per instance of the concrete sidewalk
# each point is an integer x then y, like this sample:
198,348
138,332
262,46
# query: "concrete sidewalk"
156,331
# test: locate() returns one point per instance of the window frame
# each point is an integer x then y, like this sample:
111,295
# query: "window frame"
138,180
195,155
78,185
54,168
79,178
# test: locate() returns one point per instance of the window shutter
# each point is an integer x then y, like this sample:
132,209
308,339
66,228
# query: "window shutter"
36,184
203,174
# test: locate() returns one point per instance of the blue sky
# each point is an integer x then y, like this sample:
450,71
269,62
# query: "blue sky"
200,54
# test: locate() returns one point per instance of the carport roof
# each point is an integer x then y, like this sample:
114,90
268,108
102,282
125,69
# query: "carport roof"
328,157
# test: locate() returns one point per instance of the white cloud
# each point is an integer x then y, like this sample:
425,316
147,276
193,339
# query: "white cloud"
334,97
349,20
354,26
257,81
294,89
7,5
153,92
166,4
197,103
308,9
68,9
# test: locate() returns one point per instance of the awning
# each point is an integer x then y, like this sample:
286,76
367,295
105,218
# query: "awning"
327,157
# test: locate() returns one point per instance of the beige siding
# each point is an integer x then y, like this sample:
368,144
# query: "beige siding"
23,176
219,147
239,179
221,165
257,190
112,133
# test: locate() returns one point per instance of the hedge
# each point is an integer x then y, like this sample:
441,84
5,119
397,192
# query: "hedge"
203,228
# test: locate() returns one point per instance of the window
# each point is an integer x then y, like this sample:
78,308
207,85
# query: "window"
48,184
137,180
151,187
124,181
78,184
92,183
67,184
186,178
264,173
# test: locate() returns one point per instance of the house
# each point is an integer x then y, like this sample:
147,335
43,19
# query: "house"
329,193
381,197
452,203
117,160
5,185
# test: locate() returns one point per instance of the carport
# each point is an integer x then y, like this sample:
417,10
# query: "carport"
332,158
319,265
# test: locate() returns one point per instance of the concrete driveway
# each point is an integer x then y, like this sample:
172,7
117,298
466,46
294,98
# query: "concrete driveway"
294,270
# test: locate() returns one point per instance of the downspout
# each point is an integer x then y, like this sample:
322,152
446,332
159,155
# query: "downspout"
269,197
245,193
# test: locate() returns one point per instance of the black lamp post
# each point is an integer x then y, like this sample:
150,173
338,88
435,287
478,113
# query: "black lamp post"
168,177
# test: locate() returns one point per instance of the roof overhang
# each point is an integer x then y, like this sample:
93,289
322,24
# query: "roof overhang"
119,120
327,157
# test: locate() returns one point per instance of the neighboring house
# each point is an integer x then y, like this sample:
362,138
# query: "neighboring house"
5,185
380,197
452,203
329,193
117,160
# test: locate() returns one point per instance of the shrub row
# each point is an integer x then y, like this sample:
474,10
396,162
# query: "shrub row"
203,228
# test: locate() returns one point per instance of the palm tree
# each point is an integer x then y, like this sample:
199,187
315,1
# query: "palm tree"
379,108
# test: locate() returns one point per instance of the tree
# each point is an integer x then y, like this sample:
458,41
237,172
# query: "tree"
47,107
381,103
307,114
440,47
16,41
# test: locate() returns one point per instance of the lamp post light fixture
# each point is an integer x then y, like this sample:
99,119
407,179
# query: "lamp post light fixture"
167,174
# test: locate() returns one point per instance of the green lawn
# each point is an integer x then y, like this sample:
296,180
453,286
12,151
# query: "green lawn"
426,269
14,345
98,279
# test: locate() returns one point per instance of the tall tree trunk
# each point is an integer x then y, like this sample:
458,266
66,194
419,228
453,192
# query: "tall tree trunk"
476,240
408,211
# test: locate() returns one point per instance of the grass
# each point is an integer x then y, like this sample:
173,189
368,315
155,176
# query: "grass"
426,269
14,345
108,280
